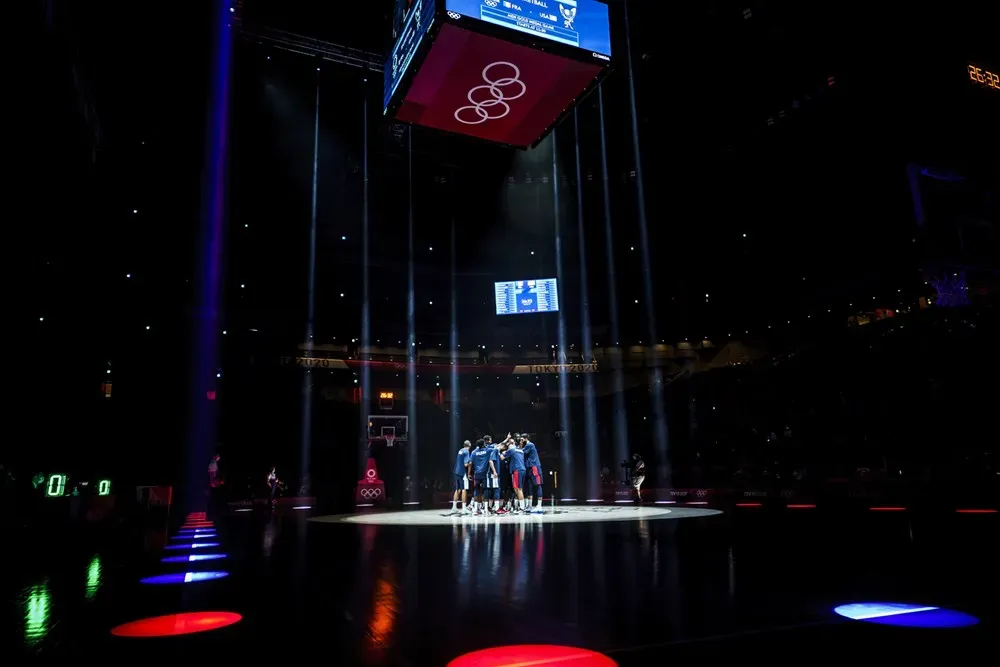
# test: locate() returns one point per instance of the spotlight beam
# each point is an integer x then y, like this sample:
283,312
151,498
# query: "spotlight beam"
411,325
207,317
656,384
589,419
365,386
565,449
305,444
454,422
619,423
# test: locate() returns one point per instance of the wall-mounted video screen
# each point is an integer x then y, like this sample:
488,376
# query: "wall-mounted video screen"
514,297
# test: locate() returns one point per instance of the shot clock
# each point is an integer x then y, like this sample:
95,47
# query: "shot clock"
983,77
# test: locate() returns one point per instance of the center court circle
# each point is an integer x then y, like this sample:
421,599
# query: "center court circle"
533,654
561,514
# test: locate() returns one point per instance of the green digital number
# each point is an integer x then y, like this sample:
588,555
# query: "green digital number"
56,486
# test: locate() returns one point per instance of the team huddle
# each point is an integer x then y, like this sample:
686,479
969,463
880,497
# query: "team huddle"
486,465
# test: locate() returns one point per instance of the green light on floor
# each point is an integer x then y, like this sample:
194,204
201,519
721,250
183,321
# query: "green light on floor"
93,577
56,486
37,608
104,487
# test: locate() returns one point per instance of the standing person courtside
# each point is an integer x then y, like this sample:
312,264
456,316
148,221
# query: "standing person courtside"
214,484
638,475
273,484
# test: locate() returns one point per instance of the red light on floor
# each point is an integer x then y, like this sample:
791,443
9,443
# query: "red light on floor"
887,509
176,624
976,511
801,507
533,654
748,504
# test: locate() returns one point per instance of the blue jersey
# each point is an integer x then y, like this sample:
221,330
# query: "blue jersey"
495,457
481,461
516,457
531,457
461,461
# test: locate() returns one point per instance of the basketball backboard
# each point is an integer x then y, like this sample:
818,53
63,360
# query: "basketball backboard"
393,426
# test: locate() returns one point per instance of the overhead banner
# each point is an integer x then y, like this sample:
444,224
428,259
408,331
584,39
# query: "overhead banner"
554,369
315,362
521,369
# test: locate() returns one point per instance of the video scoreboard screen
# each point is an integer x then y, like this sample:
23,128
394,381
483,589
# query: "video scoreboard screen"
419,17
526,296
580,23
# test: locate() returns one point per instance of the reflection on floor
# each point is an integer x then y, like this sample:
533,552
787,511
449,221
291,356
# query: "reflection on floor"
639,592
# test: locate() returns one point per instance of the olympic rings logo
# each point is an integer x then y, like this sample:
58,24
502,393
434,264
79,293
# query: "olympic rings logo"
371,494
371,474
497,98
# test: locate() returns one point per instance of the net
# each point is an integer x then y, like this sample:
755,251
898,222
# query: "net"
389,440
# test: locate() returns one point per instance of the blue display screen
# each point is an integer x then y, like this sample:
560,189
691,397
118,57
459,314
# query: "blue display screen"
526,296
580,23
417,22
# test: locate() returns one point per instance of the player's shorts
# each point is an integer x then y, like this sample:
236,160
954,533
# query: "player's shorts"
461,482
637,481
536,475
480,482
516,478
492,482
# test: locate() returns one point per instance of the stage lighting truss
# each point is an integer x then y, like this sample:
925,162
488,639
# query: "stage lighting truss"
309,46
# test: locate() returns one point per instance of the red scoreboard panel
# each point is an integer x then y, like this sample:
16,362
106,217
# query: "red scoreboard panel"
493,89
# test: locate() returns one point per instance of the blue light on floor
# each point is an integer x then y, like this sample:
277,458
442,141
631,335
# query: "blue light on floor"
905,615
193,558
192,545
183,577
203,536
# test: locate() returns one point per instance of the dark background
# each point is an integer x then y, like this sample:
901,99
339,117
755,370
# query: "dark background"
774,143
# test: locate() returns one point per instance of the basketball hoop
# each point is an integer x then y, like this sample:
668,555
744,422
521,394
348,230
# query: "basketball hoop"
389,440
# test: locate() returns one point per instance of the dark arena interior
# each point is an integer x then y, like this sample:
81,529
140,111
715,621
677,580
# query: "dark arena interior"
504,332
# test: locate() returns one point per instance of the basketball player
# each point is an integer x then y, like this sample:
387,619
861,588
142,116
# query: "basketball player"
462,461
533,474
516,456
493,480
638,475
481,470
506,491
